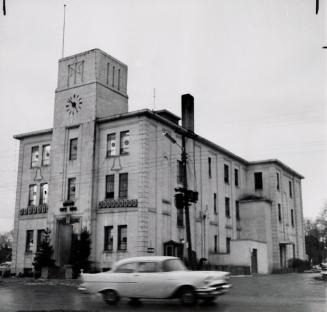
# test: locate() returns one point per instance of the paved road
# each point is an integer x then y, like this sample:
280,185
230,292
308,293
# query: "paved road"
289,292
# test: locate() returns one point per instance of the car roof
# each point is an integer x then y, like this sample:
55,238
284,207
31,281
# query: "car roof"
144,258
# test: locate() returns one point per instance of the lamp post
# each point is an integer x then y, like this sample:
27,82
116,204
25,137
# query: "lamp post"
186,198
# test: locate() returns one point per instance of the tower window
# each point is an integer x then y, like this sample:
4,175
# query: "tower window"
118,78
279,213
108,68
258,181
277,181
73,149
71,189
113,76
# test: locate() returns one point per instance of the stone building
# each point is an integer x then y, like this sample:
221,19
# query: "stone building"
113,172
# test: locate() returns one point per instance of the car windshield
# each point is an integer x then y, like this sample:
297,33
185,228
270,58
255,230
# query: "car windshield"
173,265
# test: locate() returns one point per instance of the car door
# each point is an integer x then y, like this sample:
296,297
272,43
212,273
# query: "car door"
151,282
123,279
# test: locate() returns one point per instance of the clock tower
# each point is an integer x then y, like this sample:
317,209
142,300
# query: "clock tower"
91,85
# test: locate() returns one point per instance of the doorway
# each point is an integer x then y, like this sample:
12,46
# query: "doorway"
67,230
282,255
254,261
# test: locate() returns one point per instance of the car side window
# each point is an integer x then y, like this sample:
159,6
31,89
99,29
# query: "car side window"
126,268
148,267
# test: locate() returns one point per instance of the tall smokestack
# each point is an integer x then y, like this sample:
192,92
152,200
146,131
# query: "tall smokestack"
188,112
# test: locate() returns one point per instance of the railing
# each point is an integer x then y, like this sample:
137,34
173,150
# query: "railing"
116,203
30,210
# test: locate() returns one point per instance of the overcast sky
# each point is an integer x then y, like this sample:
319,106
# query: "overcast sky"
255,67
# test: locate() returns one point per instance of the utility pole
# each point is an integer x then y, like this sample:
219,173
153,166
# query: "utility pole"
184,197
186,205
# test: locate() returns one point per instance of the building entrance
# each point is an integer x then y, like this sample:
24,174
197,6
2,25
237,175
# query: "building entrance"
67,229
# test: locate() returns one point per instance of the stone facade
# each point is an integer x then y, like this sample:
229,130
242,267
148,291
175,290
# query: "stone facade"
113,172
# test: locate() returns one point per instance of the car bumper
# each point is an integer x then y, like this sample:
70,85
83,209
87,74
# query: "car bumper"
213,291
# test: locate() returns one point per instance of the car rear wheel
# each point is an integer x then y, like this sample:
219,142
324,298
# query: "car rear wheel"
187,296
110,296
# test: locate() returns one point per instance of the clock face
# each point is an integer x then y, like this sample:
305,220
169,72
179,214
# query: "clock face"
74,104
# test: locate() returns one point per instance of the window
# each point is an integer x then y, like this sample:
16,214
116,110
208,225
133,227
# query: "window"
44,193
279,213
122,237
277,180
111,144
228,239
123,185
108,67
292,217
110,186
215,203
290,188
126,268
108,238
216,243
40,239
124,142
73,149
236,176
35,156
209,167
227,207
71,189
148,267
113,76
29,240
237,206
32,195
258,180
180,174
226,173
118,78
46,155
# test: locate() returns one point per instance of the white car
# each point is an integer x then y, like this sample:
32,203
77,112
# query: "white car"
156,277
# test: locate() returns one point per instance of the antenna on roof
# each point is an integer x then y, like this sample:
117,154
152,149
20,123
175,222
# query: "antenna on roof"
154,98
63,33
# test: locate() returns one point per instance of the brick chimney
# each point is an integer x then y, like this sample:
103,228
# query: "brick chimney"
188,112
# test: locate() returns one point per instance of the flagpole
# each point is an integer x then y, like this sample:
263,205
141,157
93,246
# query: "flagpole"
63,33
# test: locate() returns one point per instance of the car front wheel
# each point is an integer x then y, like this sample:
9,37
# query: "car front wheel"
110,296
187,296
